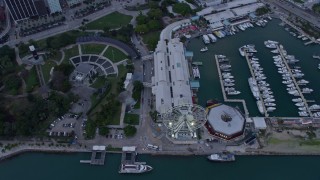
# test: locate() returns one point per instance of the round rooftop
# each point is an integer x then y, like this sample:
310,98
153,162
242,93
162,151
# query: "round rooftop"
225,120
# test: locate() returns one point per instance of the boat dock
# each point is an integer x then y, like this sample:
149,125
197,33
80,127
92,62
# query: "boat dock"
224,93
312,39
294,81
128,155
97,157
253,76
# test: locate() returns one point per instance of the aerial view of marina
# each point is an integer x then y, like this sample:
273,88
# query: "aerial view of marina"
159,89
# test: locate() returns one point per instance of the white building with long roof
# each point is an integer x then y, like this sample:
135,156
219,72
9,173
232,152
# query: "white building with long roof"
171,76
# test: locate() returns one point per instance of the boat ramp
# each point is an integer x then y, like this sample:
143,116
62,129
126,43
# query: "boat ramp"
224,93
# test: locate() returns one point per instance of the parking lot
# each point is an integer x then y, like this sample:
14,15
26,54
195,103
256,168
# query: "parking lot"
64,125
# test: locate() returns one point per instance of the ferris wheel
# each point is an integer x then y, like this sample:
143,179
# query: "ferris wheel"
184,119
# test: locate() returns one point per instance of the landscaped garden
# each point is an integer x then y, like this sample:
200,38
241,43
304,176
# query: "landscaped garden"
92,48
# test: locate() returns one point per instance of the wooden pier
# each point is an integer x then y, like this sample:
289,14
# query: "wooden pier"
224,93
97,157
253,76
294,80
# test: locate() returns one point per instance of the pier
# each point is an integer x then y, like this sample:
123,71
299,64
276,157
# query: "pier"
224,93
253,76
97,157
294,80
312,39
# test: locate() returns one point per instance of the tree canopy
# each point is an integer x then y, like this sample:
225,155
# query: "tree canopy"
129,130
181,8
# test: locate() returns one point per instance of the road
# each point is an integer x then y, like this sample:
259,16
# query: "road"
291,8
74,24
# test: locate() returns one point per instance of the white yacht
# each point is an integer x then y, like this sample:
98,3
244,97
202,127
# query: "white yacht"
228,84
307,90
300,104
134,168
302,108
269,100
196,72
206,39
260,107
294,92
204,49
314,107
233,92
270,109
269,104
303,113
297,100
302,82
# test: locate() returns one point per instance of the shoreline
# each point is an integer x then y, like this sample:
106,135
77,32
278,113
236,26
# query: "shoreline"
22,151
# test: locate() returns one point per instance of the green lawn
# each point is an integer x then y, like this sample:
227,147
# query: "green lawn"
74,51
112,21
46,68
92,48
99,82
114,54
132,119
151,39
32,80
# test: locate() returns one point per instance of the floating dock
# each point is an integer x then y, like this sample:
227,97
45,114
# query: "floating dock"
253,76
97,157
224,93
294,80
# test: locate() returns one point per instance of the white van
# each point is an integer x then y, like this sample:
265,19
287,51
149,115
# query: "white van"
150,146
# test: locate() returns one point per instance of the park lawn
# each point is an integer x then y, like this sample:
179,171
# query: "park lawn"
46,68
122,71
112,21
68,53
114,54
132,119
151,39
32,80
92,48
99,82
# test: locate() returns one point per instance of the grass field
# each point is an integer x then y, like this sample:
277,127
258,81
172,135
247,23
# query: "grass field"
74,51
92,48
151,39
32,80
46,68
132,119
99,82
114,54
112,21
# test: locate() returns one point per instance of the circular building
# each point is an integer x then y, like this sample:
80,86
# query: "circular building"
182,122
225,121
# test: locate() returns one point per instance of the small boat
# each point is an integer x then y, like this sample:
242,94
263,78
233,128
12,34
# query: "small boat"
222,157
270,109
303,113
197,63
269,104
300,104
233,92
204,49
269,100
307,90
302,108
260,107
297,100
228,84
314,107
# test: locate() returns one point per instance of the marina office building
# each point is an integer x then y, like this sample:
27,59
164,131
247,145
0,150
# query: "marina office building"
171,78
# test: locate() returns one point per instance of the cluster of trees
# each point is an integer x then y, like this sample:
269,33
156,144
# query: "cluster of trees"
149,23
122,34
316,8
104,117
29,116
60,79
137,88
182,8
129,130
7,60
63,40
262,10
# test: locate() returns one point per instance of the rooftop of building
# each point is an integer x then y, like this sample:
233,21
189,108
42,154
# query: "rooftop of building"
225,119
